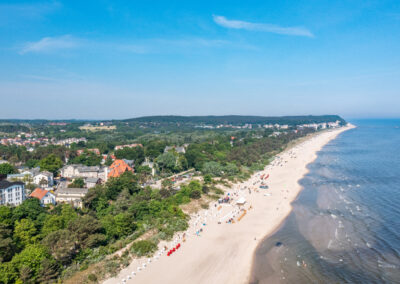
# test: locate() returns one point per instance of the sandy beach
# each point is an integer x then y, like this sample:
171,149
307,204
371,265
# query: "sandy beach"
218,251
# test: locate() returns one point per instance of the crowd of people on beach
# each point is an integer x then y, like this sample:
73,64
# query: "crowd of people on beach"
223,211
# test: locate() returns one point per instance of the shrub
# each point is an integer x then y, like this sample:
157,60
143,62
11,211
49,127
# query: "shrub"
195,194
92,277
207,178
212,168
205,206
143,248
205,189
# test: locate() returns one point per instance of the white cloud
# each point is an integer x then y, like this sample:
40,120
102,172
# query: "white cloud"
236,24
145,46
159,45
50,44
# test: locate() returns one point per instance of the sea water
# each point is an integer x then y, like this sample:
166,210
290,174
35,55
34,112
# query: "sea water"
345,224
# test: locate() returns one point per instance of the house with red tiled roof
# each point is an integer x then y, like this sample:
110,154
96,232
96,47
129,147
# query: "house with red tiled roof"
45,197
119,167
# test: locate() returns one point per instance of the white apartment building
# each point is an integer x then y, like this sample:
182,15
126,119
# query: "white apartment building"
12,193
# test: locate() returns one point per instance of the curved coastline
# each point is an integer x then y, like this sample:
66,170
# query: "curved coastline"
225,253
281,224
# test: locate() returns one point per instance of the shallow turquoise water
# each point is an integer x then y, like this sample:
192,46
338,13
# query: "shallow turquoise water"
345,225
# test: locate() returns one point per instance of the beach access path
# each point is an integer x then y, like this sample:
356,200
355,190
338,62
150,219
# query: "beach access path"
215,251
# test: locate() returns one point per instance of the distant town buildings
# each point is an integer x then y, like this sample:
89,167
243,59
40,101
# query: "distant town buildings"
119,147
322,125
67,142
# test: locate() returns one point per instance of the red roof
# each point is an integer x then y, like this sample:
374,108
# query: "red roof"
38,193
118,167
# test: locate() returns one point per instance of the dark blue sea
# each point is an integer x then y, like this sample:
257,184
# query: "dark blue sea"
345,225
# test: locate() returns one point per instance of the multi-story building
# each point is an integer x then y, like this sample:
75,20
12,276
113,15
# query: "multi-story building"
12,193
80,171
71,195
44,178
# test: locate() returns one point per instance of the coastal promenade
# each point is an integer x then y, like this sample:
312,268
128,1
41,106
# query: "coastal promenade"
214,250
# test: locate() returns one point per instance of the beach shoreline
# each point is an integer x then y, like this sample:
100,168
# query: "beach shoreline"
215,251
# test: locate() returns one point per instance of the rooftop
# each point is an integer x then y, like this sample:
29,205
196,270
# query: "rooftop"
39,193
72,191
6,183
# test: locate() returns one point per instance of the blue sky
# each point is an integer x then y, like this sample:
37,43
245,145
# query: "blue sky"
120,59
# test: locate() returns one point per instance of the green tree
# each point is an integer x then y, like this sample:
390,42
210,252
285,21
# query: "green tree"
31,163
30,209
62,245
118,226
51,223
51,163
207,179
25,232
212,168
7,169
29,261
135,153
144,173
6,216
68,214
231,169
87,158
7,247
48,271
155,148
8,273
115,185
167,161
77,183
195,156
87,231
108,162
167,184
